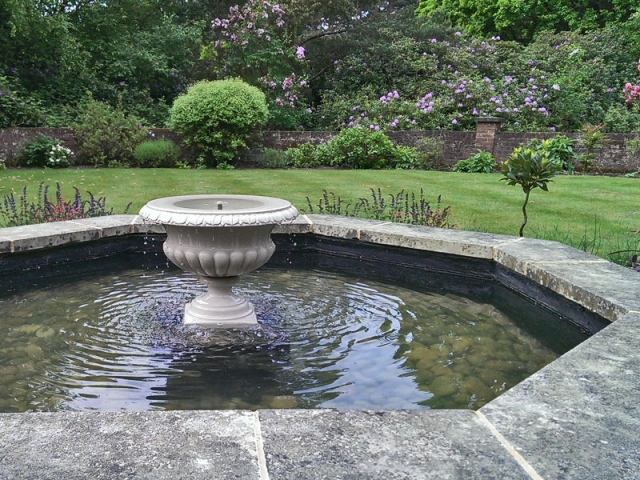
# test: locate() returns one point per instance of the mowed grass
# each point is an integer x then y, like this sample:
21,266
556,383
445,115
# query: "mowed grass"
593,213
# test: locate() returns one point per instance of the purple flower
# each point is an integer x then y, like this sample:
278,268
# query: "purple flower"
454,121
300,53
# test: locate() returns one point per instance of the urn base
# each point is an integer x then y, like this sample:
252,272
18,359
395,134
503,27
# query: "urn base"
219,307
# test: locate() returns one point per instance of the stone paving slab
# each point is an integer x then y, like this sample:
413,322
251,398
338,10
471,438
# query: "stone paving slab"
33,237
302,224
453,242
579,417
147,445
518,255
109,225
340,227
389,445
607,289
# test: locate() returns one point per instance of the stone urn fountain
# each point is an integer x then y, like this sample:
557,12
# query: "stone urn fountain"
219,238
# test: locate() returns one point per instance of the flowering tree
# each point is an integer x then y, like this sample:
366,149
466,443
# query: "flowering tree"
252,43
632,92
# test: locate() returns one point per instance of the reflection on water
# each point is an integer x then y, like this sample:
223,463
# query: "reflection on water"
115,342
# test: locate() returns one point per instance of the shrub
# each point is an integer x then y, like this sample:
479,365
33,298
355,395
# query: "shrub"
218,117
44,151
361,148
632,146
530,169
156,153
481,162
17,108
405,158
592,138
273,158
430,152
559,149
302,156
15,212
105,134
620,119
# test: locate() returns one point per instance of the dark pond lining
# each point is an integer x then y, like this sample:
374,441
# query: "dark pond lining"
547,315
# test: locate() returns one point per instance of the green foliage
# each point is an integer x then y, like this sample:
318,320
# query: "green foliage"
481,162
302,156
272,158
16,110
224,166
104,134
592,138
406,158
219,117
620,119
156,153
357,148
530,169
632,146
20,211
522,20
361,148
44,151
402,207
430,152
559,149
254,42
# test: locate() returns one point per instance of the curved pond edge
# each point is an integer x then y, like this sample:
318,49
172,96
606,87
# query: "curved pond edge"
576,418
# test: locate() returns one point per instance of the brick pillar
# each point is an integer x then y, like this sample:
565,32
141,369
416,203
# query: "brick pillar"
486,129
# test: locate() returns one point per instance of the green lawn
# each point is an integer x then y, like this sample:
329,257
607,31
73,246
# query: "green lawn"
588,212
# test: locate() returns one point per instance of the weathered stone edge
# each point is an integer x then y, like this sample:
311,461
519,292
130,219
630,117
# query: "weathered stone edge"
598,285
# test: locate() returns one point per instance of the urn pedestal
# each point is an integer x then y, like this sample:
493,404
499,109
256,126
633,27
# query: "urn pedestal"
219,238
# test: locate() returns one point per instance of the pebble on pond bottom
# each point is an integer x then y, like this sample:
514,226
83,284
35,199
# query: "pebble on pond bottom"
116,342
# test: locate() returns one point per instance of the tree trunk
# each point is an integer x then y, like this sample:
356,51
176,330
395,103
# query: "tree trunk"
524,211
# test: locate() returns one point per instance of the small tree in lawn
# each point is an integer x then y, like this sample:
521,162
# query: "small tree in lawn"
530,169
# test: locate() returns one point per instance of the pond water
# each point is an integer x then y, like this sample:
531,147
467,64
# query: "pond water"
107,336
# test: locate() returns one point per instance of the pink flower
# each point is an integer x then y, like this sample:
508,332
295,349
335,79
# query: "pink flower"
300,52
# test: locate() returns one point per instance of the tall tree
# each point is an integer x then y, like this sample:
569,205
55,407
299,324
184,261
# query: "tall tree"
521,20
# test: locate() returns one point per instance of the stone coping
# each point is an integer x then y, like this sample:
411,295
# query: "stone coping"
577,418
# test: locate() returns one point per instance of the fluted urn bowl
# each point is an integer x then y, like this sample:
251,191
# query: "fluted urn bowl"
219,238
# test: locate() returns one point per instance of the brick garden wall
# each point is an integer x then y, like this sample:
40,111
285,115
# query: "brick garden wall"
457,145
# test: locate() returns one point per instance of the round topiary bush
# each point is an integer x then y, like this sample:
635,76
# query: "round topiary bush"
218,117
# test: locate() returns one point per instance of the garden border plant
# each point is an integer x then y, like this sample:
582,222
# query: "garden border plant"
15,212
